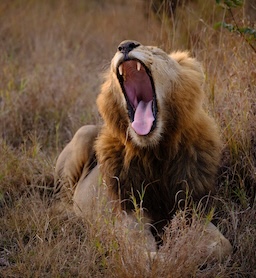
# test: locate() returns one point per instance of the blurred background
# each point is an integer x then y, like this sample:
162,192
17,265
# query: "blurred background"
53,54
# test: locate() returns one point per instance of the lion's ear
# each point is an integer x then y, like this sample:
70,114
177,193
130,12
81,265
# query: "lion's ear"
184,59
180,56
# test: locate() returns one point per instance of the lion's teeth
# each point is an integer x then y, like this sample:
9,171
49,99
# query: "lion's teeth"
138,66
120,69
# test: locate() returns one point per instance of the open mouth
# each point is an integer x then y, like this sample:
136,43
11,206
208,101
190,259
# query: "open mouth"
139,91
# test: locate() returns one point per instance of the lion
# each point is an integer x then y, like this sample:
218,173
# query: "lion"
156,147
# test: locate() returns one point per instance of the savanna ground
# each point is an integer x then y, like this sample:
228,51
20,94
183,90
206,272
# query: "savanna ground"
52,55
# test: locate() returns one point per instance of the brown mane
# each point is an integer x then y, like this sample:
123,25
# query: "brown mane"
186,156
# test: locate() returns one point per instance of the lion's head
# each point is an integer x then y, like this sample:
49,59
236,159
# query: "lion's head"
150,92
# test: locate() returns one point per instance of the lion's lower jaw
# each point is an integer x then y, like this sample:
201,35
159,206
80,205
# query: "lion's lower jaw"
145,141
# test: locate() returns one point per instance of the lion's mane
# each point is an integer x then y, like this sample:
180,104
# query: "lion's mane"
179,155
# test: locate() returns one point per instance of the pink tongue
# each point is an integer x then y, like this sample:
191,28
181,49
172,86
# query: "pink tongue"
143,118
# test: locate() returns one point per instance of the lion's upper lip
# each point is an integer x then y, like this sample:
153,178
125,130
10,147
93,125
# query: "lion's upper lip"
139,90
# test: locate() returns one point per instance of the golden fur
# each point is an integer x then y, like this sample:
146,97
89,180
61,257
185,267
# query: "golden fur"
172,152
181,153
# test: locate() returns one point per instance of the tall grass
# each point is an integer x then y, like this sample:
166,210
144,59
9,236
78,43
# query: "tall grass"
52,56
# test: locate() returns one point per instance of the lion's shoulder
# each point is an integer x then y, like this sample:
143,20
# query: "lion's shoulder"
76,157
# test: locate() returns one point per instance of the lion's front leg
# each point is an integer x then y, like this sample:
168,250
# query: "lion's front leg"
76,160
88,195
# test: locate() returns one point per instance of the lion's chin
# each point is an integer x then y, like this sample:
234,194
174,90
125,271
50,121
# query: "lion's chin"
151,139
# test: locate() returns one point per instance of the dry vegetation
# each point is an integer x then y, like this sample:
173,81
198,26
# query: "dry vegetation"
52,56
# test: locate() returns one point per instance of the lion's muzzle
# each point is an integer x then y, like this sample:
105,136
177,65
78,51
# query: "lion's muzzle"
138,88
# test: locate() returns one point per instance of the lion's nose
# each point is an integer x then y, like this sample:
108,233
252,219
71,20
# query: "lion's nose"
126,46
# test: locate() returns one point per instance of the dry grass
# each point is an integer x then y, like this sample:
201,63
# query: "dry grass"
52,56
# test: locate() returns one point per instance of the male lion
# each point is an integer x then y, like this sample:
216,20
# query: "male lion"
157,144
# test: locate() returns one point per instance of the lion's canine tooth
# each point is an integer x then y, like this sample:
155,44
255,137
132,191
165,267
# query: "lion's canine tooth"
120,69
138,66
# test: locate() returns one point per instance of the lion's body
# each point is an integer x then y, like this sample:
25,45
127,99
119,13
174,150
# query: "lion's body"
163,177
151,158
